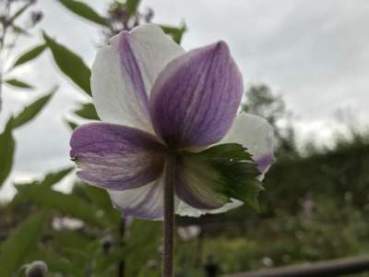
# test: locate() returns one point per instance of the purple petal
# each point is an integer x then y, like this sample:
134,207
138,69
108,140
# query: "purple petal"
124,72
196,97
116,157
264,162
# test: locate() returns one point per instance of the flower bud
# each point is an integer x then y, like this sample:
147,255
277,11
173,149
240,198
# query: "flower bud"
36,269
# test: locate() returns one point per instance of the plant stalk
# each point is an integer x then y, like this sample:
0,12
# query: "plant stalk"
122,264
169,223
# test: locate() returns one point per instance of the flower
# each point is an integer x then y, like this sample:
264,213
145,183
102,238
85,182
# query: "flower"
157,99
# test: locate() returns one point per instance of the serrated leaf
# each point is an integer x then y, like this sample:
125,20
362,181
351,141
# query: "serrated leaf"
87,111
29,55
21,243
85,11
32,110
7,149
70,64
18,83
67,204
175,32
222,172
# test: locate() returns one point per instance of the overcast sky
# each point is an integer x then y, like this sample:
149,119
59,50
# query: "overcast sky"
314,53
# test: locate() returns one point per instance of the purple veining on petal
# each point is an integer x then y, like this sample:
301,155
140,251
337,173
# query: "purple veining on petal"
116,157
130,65
195,98
264,162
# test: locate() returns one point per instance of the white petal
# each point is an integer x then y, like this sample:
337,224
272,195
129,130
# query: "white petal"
255,133
153,50
145,202
183,209
115,73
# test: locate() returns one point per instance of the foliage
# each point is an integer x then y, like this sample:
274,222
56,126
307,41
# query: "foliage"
287,239
7,147
87,111
18,83
85,11
29,55
70,64
21,243
229,170
30,111
80,233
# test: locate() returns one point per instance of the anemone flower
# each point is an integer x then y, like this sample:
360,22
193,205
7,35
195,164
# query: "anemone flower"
163,111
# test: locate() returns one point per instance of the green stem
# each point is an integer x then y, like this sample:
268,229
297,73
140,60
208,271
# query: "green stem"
169,216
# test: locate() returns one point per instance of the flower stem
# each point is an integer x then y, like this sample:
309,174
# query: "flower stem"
169,216
122,264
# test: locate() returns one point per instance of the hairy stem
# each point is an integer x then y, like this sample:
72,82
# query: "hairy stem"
169,216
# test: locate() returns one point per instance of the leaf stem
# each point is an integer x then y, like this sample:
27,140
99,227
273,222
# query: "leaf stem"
169,216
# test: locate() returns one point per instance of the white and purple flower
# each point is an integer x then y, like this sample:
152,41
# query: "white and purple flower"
156,98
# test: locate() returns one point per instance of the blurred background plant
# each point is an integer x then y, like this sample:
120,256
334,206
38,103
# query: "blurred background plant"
315,206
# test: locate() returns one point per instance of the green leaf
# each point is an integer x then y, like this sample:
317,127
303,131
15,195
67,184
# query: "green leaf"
85,11
132,6
56,263
70,64
29,55
7,148
68,204
21,243
49,180
87,111
19,30
142,248
175,32
72,125
99,198
32,110
18,84
55,177
224,171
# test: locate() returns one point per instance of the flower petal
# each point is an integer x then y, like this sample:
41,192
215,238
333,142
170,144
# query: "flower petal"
195,185
256,134
116,157
124,72
145,202
183,209
196,97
